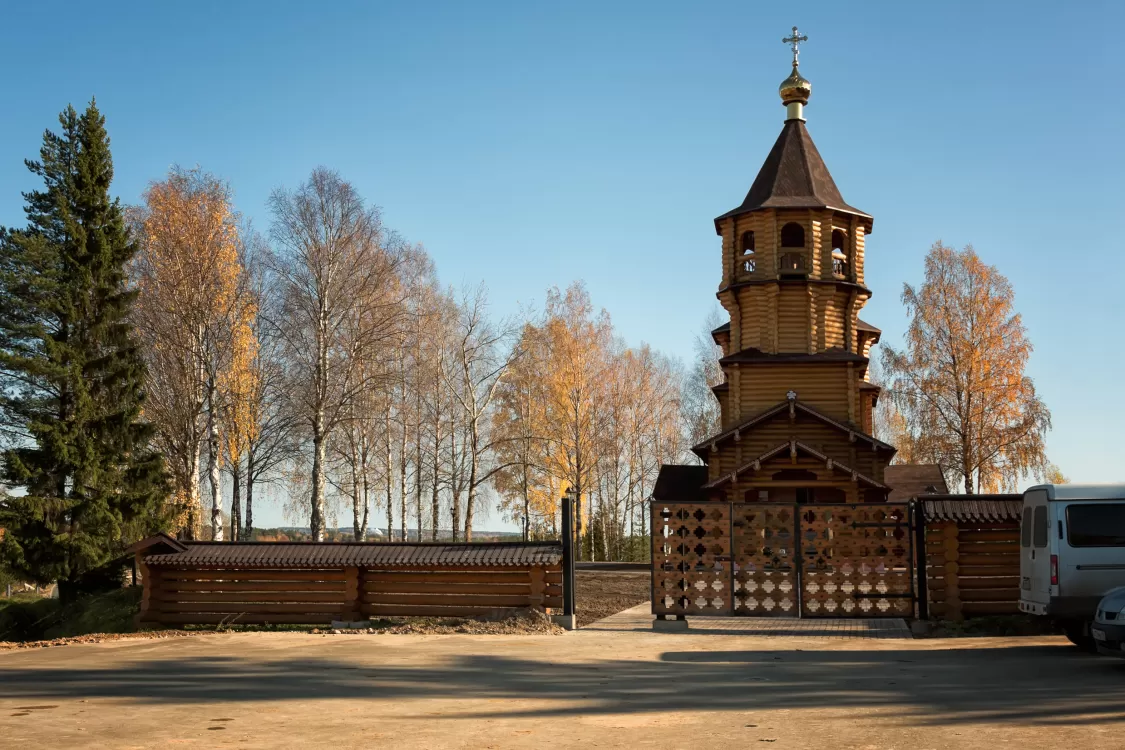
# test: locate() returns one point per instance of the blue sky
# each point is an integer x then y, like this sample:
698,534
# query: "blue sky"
527,144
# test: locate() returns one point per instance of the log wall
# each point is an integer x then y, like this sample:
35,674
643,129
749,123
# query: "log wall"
972,568
318,597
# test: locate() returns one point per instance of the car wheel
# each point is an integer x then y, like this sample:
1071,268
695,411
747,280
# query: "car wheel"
1078,634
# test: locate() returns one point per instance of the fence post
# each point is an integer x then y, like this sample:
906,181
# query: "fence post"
538,587
150,579
353,589
951,552
567,617
921,564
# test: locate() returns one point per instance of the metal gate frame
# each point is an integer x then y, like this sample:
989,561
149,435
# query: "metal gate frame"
706,583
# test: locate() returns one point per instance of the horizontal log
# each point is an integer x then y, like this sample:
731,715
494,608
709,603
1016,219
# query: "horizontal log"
427,587
976,559
452,600
167,574
258,608
246,619
975,571
976,548
991,608
937,527
990,535
373,611
475,576
990,595
253,597
988,548
251,586
964,582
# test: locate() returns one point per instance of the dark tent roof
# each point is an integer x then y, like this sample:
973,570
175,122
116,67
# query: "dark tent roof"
794,176
680,483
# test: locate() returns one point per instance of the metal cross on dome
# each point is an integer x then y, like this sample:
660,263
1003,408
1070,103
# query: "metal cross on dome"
795,41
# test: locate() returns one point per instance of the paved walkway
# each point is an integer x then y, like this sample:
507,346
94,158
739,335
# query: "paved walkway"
593,688
640,618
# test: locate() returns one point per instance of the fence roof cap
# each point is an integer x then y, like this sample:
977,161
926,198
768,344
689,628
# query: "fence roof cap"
313,555
972,507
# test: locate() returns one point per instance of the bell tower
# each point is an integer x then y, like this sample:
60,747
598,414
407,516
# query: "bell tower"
796,402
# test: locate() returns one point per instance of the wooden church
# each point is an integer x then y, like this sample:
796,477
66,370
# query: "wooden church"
796,400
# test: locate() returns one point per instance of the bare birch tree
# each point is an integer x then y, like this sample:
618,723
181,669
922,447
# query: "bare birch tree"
336,267
481,354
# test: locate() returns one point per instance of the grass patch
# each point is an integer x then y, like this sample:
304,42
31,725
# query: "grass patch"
36,618
994,626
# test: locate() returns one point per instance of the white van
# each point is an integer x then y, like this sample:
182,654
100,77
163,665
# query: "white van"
1072,551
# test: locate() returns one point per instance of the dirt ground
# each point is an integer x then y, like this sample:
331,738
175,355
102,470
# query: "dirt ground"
601,593
608,688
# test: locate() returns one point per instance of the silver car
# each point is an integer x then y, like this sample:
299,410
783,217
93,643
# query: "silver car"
1108,628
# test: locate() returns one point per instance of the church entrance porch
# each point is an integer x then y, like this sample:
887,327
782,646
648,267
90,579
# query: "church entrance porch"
782,559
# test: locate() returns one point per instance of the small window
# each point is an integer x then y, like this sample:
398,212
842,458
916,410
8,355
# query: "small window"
1096,525
746,245
839,253
1039,530
1025,528
792,235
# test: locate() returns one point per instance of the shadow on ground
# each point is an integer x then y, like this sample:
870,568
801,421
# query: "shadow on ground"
1028,684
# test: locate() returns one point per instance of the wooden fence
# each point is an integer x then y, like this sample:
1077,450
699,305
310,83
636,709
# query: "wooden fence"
178,592
971,556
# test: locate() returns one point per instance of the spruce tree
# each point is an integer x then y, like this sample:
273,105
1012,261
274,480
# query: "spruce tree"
72,384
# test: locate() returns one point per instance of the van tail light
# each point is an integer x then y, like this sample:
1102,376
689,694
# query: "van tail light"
1054,570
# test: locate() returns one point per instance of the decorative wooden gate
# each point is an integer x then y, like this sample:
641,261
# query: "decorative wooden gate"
782,560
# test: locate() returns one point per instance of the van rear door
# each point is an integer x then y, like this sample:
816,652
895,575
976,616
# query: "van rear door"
1035,555
1092,550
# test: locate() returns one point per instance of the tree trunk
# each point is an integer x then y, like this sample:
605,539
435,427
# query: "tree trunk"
402,520
213,466
526,506
435,509
249,527
366,502
577,504
316,521
236,502
194,521
389,460
357,529
418,468
455,491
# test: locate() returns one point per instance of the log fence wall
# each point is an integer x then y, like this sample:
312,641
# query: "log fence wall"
260,594
971,558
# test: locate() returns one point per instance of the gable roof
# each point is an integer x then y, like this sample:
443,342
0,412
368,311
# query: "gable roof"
793,176
914,480
159,540
796,406
794,447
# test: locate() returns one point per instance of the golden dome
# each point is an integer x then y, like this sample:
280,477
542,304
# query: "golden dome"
795,88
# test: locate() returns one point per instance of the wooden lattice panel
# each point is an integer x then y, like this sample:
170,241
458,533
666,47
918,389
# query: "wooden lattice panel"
764,560
691,558
856,561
